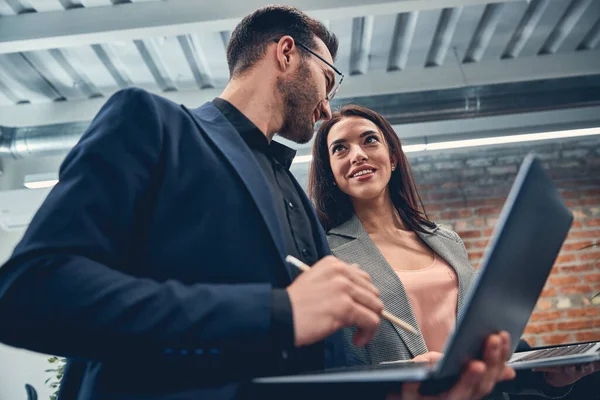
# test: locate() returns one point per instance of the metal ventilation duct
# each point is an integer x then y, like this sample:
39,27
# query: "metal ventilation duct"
40,140
468,102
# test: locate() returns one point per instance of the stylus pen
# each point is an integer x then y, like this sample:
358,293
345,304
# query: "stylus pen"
392,318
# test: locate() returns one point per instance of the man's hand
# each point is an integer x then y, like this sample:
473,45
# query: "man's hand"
331,296
478,378
569,374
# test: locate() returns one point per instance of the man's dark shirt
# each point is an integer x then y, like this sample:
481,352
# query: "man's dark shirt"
275,160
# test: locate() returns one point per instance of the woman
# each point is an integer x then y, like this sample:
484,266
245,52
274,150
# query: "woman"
365,196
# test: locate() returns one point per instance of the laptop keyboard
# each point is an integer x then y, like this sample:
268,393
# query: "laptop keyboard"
557,352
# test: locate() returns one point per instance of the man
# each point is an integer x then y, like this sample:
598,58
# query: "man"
156,264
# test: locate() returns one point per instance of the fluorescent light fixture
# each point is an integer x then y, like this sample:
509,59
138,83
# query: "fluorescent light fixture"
512,139
41,181
302,159
456,144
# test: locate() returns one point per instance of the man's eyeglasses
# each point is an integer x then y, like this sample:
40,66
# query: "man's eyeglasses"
336,85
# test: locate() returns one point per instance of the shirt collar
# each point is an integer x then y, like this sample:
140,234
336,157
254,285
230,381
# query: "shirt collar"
253,136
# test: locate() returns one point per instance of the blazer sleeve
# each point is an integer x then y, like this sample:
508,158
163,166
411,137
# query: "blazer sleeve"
73,278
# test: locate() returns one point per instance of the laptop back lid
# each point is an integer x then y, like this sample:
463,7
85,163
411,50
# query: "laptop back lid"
531,229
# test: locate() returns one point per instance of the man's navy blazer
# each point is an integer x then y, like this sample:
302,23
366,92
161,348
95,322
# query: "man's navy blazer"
151,263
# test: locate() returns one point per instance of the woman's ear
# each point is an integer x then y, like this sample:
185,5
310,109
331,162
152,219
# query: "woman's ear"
393,162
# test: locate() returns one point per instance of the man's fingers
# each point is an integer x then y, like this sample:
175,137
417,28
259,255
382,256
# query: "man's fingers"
467,384
362,279
367,299
367,322
494,364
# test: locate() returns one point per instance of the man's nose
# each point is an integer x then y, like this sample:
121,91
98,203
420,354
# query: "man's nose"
325,110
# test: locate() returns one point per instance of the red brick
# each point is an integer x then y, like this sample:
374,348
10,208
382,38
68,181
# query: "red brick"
543,304
572,269
592,222
540,328
550,340
591,278
590,201
548,292
583,312
575,245
469,234
587,336
475,255
498,202
488,232
488,211
434,207
563,280
590,193
491,222
461,225
456,214
565,258
545,316
426,187
477,222
575,325
593,233
575,289
480,244
441,196
576,225
589,255
569,194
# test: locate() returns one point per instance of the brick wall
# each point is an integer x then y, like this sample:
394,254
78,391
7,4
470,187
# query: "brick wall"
465,190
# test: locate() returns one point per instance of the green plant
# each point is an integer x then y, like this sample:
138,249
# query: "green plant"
58,364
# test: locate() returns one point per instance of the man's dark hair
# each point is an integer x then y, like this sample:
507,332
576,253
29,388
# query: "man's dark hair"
250,38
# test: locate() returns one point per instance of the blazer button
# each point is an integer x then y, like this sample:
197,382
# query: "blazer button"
284,355
214,352
198,352
184,352
291,205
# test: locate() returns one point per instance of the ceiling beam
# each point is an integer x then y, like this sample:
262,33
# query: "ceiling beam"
131,21
448,76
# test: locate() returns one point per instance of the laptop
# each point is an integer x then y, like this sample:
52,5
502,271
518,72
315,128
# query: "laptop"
531,229
553,356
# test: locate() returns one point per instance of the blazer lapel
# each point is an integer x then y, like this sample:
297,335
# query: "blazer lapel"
227,140
363,252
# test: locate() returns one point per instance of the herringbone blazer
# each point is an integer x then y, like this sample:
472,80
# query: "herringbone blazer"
351,243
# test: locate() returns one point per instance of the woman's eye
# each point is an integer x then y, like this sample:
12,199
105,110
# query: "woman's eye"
337,148
371,139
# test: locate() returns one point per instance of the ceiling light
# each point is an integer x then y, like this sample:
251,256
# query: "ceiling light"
455,144
40,181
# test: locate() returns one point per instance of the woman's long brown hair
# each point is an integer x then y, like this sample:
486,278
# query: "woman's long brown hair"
334,206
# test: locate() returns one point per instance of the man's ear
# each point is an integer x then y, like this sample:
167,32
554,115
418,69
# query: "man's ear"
286,51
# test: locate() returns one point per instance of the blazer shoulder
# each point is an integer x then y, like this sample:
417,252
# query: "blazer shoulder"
448,233
134,98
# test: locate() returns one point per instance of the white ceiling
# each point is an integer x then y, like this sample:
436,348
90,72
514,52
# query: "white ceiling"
60,59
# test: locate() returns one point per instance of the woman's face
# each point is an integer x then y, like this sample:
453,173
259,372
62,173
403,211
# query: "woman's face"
359,158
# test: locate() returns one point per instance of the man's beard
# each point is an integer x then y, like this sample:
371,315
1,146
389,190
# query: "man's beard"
299,102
